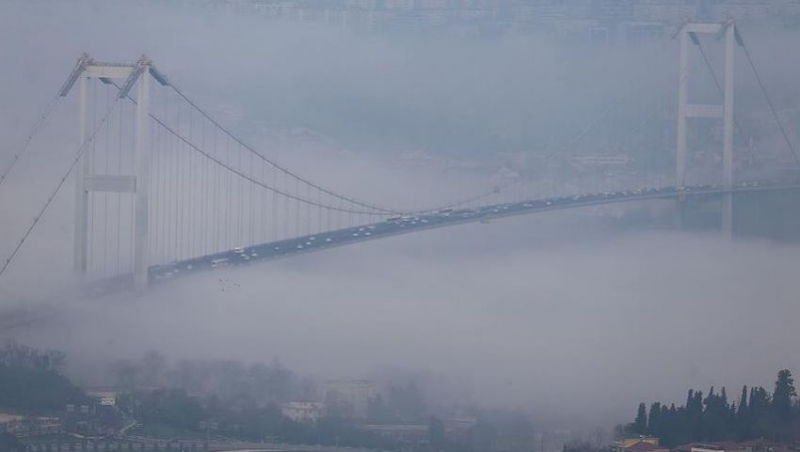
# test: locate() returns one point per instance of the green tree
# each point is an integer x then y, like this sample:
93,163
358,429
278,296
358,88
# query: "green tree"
759,409
743,417
654,426
378,411
152,368
640,423
10,443
782,398
35,389
436,434
172,407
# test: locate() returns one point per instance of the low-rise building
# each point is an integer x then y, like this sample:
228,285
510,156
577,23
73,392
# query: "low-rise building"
408,435
625,444
11,423
303,411
642,446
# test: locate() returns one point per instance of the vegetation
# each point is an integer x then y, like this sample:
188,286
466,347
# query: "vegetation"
229,399
757,414
9,443
30,380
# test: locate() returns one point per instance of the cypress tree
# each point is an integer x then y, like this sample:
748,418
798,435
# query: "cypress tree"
640,423
654,420
782,397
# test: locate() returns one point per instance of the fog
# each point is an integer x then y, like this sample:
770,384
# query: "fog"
565,315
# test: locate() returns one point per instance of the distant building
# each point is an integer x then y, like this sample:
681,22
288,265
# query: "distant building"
639,444
30,426
412,436
106,397
642,446
459,428
11,423
303,411
722,447
348,398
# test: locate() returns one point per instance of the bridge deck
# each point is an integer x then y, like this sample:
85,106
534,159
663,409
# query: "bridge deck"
445,218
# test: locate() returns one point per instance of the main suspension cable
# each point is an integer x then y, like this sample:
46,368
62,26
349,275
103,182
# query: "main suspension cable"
772,108
38,127
274,163
713,73
251,179
81,150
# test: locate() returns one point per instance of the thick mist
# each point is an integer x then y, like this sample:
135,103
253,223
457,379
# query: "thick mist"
558,314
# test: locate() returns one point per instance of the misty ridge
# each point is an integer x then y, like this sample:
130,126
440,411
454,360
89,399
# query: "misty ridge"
560,316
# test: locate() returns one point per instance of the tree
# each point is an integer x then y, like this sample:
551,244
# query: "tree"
782,397
640,423
30,386
10,443
172,407
152,367
378,411
125,374
759,409
436,434
407,403
654,420
743,417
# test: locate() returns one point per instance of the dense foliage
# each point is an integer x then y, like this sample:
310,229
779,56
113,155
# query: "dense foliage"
10,443
712,417
30,381
194,399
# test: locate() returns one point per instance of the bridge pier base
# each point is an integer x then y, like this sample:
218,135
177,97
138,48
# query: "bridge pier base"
727,216
680,214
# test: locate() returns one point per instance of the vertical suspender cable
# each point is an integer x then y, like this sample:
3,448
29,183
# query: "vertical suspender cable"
766,95
179,179
192,180
119,195
106,194
217,207
229,197
297,207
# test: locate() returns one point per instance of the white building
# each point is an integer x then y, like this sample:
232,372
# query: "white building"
303,411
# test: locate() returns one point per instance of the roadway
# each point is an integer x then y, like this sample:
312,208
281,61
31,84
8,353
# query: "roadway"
429,220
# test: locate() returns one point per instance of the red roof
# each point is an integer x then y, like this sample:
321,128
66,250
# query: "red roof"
644,447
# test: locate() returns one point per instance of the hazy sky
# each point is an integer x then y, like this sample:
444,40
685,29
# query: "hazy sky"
552,313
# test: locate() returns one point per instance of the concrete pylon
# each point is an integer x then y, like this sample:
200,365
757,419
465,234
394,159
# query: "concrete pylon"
136,184
686,110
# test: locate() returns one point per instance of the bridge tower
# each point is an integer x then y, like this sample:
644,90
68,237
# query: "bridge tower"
134,184
687,110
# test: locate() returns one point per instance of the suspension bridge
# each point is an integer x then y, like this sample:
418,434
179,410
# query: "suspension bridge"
162,188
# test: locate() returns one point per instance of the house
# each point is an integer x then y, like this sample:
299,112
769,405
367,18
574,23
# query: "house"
11,423
303,411
639,444
408,435
642,446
